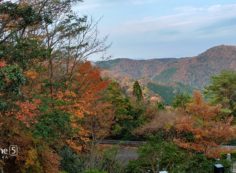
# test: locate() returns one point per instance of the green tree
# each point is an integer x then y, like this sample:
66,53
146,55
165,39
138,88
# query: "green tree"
53,127
71,162
181,100
158,155
160,106
222,90
137,91
127,116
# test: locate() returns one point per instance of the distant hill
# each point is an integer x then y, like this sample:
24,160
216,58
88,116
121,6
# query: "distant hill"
174,73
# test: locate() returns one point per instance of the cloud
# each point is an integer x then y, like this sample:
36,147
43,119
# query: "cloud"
138,28
184,20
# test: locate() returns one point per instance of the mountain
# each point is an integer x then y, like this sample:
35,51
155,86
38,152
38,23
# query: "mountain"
173,74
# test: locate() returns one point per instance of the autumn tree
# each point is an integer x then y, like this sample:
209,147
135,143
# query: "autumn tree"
92,116
161,124
96,111
69,39
49,97
202,130
20,50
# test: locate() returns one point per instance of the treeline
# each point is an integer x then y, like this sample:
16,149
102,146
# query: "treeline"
56,107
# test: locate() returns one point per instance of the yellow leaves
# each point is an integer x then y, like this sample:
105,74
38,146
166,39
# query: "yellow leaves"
83,132
32,158
43,160
198,137
31,74
74,146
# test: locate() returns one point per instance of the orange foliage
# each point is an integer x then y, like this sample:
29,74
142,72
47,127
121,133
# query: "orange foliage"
31,74
203,124
51,162
27,111
97,113
85,98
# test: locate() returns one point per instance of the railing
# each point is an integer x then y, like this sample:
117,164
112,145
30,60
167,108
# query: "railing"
120,142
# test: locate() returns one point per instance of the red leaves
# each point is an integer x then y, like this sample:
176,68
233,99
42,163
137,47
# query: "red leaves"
90,81
28,111
86,102
2,64
98,113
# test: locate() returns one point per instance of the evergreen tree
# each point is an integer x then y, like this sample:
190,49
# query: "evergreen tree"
137,91
222,90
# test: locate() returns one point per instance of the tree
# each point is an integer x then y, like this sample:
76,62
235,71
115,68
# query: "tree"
18,52
202,130
48,97
222,90
53,127
158,155
127,116
162,124
71,162
97,114
83,98
69,38
181,100
137,91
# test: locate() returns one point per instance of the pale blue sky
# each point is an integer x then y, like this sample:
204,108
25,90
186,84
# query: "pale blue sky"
143,29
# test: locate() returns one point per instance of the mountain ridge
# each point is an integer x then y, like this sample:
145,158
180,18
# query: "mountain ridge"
169,58
194,72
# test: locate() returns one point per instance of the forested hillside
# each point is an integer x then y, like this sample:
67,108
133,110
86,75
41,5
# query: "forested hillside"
170,73
57,108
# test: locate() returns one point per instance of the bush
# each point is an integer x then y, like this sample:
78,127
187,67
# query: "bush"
159,155
71,162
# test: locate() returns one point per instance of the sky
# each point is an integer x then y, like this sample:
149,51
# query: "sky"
147,29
